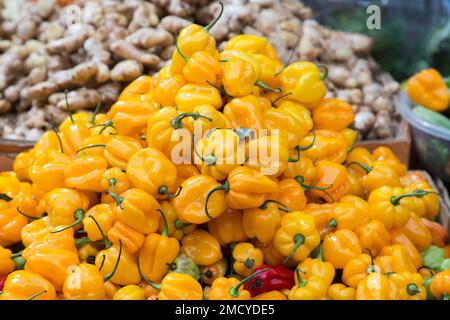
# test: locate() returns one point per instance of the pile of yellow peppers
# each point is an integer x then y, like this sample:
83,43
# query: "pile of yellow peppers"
99,210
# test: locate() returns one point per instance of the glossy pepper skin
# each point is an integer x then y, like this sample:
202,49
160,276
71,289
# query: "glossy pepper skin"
239,76
162,127
399,237
340,247
376,286
132,240
84,282
47,170
263,222
252,44
130,117
357,269
52,263
244,112
130,292
308,287
386,154
166,88
202,67
228,227
409,285
395,258
440,285
202,247
191,95
177,228
350,212
150,170
248,188
379,174
291,118
184,264
64,206
119,150
297,236
190,202
318,267
138,209
331,177
6,263
127,271
325,145
11,224
339,291
21,164
104,215
332,114
62,240
115,180
273,278
34,230
179,286
219,152
428,88
21,285
374,236
303,81
213,271
85,173
157,253
291,195
389,206
246,258
225,289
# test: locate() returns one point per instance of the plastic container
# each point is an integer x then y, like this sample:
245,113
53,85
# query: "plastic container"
432,142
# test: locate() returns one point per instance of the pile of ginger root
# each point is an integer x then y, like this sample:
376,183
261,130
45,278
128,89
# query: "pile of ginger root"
90,49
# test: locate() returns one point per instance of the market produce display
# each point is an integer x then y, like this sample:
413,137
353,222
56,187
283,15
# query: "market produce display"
94,48
103,208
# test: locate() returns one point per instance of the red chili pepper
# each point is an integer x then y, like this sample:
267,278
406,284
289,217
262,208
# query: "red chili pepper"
274,278
2,280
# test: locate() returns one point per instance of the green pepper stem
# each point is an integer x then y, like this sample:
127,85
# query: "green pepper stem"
68,107
91,146
317,253
285,207
177,122
26,215
287,63
116,265
180,225
116,198
323,71
4,196
299,239
97,109
350,149
165,231
301,282
370,268
234,291
225,187
59,140
446,296
210,160
412,289
249,263
244,133
212,23
102,263
106,242
296,148
300,180
17,254
264,86
395,200
367,169
79,242
36,295
153,285
78,215
273,102
312,142
185,58
221,89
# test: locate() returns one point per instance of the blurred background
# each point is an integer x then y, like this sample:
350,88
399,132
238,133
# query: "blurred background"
414,34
